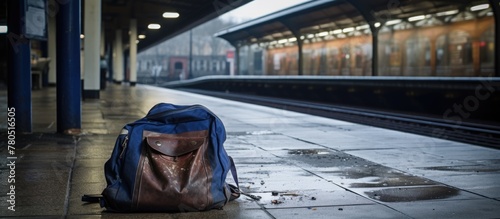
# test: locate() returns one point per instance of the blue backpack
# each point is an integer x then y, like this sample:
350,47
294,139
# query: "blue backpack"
172,160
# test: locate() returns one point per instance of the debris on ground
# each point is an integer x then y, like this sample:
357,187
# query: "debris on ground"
289,194
276,202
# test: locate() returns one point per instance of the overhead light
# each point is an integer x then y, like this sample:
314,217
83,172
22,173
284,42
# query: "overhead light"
377,24
416,18
337,31
293,39
349,29
3,29
310,35
479,7
141,36
282,41
392,22
362,27
82,36
154,26
322,34
446,13
170,15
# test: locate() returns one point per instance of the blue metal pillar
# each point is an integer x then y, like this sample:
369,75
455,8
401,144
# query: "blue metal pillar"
69,109
19,69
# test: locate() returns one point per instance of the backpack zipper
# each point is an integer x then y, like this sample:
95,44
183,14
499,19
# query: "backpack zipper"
124,146
162,114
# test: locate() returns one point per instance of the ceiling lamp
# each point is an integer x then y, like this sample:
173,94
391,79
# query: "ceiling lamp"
347,30
392,22
446,13
170,15
3,29
416,18
141,36
479,7
154,26
322,34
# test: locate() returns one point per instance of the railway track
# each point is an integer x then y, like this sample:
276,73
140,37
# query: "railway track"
473,133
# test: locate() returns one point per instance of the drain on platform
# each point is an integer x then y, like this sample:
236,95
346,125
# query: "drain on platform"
413,194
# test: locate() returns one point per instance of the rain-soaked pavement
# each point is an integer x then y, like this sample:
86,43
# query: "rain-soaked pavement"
301,166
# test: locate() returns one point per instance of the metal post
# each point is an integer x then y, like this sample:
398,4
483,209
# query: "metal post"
300,44
190,72
118,58
51,38
495,5
69,110
371,20
19,69
236,58
374,52
133,52
92,76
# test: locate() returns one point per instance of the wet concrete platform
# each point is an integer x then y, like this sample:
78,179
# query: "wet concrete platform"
302,166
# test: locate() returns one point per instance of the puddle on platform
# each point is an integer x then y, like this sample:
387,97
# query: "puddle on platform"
381,176
264,132
355,172
472,168
308,151
413,194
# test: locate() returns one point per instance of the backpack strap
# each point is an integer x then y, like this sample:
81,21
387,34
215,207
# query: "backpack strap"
235,190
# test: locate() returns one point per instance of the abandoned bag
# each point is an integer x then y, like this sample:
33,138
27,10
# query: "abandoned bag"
172,160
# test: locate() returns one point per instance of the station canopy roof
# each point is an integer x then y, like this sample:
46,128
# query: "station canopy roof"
116,14
325,17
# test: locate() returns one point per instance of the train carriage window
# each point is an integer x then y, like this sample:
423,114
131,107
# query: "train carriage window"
306,56
417,56
257,62
454,54
294,57
487,52
323,62
345,67
312,63
358,60
333,61
389,55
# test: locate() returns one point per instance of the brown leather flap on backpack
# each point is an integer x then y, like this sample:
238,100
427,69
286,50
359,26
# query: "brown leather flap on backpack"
175,145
